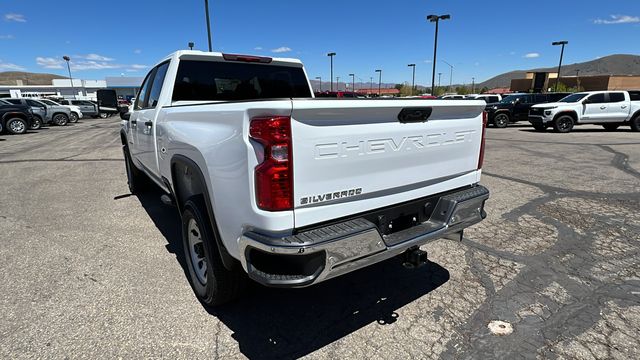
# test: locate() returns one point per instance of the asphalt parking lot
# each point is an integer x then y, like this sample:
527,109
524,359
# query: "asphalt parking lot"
89,271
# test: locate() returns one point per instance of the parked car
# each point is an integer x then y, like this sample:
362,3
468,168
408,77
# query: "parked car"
15,118
488,98
515,107
293,190
40,114
451,97
611,109
339,94
75,115
87,107
108,103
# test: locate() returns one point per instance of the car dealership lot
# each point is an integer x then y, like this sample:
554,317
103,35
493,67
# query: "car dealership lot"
88,271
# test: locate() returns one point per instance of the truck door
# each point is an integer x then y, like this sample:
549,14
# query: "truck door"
145,139
521,107
595,108
617,107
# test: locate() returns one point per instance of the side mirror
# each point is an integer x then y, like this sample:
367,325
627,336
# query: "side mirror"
125,115
586,101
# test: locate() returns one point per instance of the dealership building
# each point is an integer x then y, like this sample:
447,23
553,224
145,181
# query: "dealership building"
545,81
125,86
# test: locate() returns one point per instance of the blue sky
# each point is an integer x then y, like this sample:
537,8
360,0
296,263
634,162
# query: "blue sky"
483,39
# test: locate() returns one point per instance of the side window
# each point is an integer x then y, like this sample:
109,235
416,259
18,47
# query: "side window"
616,97
33,103
156,87
596,98
14,101
493,99
144,89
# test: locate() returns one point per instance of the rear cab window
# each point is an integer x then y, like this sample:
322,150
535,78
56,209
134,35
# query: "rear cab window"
615,97
199,80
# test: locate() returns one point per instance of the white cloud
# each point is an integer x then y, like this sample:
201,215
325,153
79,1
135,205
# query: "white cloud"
138,66
6,37
427,61
618,19
15,17
137,51
532,55
95,57
257,48
10,67
281,49
49,62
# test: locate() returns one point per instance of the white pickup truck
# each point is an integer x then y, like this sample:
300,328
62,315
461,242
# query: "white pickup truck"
607,108
293,190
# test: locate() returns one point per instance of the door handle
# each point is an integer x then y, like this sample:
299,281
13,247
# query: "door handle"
603,107
624,106
134,123
148,123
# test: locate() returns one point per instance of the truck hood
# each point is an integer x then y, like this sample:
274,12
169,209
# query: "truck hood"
551,105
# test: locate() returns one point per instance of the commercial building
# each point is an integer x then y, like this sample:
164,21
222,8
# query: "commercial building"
125,86
544,81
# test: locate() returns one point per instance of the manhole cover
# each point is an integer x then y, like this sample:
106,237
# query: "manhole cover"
500,328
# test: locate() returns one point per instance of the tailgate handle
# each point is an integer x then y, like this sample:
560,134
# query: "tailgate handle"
414,114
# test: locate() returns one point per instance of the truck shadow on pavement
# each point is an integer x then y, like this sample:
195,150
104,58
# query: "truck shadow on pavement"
275,323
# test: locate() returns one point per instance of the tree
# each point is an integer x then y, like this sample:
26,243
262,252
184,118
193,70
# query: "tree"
484,90
398,86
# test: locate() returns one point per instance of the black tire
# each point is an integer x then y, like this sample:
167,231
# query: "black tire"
219,285
501,120
563,124
635,123
610,127
60,119
103,115
136,180
74,117
16,126
36,123
540,127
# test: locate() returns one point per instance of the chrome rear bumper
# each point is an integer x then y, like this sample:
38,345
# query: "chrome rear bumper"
315,255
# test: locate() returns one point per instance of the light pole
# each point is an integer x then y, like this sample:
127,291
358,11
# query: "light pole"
379,71
191,45
73,88
319,78
413,79
206,9
450,76
439,75
436,19
563,43
473,85
370,84
577,79
353,82
337,83
331,55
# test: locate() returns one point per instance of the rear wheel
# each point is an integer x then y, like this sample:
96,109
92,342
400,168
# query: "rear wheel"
135,178
563,124
104,115
16,126
211,281
36,123
73,117
501,120
60,119
635,123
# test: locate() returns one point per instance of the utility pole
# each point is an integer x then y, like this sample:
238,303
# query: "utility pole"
337,83
450,76
577,79
413,81
563,43
473,85
379,71
436,19
206,9
319,79
331,55
73,88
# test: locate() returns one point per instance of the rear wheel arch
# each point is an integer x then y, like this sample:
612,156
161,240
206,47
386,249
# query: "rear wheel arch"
188,182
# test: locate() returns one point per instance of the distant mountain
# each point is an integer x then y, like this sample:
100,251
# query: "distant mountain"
609,65
11,77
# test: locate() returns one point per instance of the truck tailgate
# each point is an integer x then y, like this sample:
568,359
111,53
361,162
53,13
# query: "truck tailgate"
351,156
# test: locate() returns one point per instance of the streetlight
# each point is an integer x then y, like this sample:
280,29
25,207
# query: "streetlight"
450,76
319,79
379,80
331,55
370,84
191,45
577,79
436,19
563,43
439,75
206,10
73,88
413,81
337,83
353,82
473,85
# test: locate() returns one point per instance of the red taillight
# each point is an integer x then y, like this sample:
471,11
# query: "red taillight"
247,58
274,175
484,129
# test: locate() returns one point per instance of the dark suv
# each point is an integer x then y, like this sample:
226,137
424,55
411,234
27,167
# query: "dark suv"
15,119
516,107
